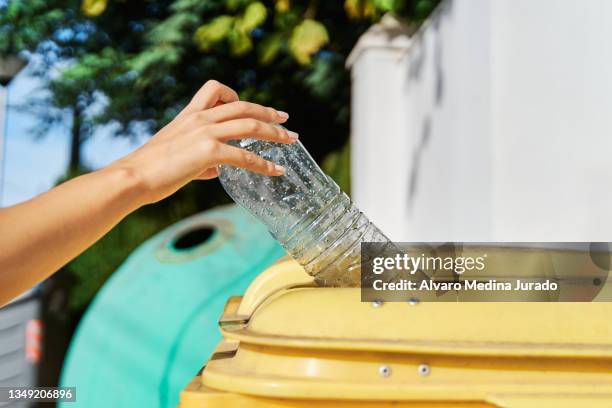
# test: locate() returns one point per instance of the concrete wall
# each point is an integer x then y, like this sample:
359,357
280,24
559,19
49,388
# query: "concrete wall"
492,122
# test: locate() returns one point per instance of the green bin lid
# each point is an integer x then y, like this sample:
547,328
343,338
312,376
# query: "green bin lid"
154,323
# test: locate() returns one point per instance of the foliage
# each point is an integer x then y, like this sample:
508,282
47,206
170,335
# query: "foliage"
93,8
140,60
306,39
134,64
23,24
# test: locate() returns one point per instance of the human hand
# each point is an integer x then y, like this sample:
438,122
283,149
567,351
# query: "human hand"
193,144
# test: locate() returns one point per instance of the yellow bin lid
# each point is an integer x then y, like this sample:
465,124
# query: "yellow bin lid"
288,340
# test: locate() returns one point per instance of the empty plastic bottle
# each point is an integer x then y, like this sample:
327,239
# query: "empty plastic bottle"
305,211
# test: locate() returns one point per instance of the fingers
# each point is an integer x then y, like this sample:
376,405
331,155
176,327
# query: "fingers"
210,95
251,128
237,157
209,173
240,109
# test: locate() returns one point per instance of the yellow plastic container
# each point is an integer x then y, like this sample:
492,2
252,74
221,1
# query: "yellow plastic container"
288,343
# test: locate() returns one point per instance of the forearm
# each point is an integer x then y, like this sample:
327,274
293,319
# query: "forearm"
41,235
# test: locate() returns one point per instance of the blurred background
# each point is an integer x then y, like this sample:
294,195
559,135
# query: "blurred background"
452,120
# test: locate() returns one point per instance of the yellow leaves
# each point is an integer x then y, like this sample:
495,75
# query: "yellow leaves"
240,42
303,40
353,8
369,9
359,8
254,15
306,39
211,33
236,30
239,38
282,6
93,8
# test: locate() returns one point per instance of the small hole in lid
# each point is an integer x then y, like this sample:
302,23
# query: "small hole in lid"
193,238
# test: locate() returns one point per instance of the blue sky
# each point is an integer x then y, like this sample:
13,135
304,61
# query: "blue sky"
31,165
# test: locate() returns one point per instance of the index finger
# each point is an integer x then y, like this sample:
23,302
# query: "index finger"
211,94
241,109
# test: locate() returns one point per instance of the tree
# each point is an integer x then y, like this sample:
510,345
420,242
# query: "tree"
144,59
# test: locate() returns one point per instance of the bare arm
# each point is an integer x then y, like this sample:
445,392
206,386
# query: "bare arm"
41,235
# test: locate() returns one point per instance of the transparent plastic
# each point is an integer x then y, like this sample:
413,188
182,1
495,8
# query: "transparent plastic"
305,211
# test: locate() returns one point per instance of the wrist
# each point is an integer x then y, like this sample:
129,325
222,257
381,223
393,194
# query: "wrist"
131,187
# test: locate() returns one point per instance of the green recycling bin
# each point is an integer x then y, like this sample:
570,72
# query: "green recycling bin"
146,333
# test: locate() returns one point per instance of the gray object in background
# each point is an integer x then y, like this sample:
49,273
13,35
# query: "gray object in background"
18,354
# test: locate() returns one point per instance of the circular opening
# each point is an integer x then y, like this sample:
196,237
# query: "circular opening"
193,238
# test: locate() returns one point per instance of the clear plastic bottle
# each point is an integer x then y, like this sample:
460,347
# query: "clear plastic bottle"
305,211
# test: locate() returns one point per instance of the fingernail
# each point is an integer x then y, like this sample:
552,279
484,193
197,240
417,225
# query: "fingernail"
279,169
292,135
282,114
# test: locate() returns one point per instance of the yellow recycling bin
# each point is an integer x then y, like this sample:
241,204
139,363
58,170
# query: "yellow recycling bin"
288,343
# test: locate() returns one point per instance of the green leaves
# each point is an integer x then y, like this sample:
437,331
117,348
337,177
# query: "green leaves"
24,25
237,30
154,58
387,5
254,15
174,30
209,34
269,48
93,8
240,42
78,82
424,7
306,39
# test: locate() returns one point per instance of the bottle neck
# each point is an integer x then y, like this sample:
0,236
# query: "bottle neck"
329,245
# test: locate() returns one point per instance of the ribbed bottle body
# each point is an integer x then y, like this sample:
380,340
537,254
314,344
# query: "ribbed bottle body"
305,211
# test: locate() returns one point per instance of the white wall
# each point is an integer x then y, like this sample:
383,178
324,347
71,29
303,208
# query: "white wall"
375,122
491,123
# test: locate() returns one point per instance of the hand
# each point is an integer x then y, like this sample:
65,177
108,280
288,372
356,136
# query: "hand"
193,144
